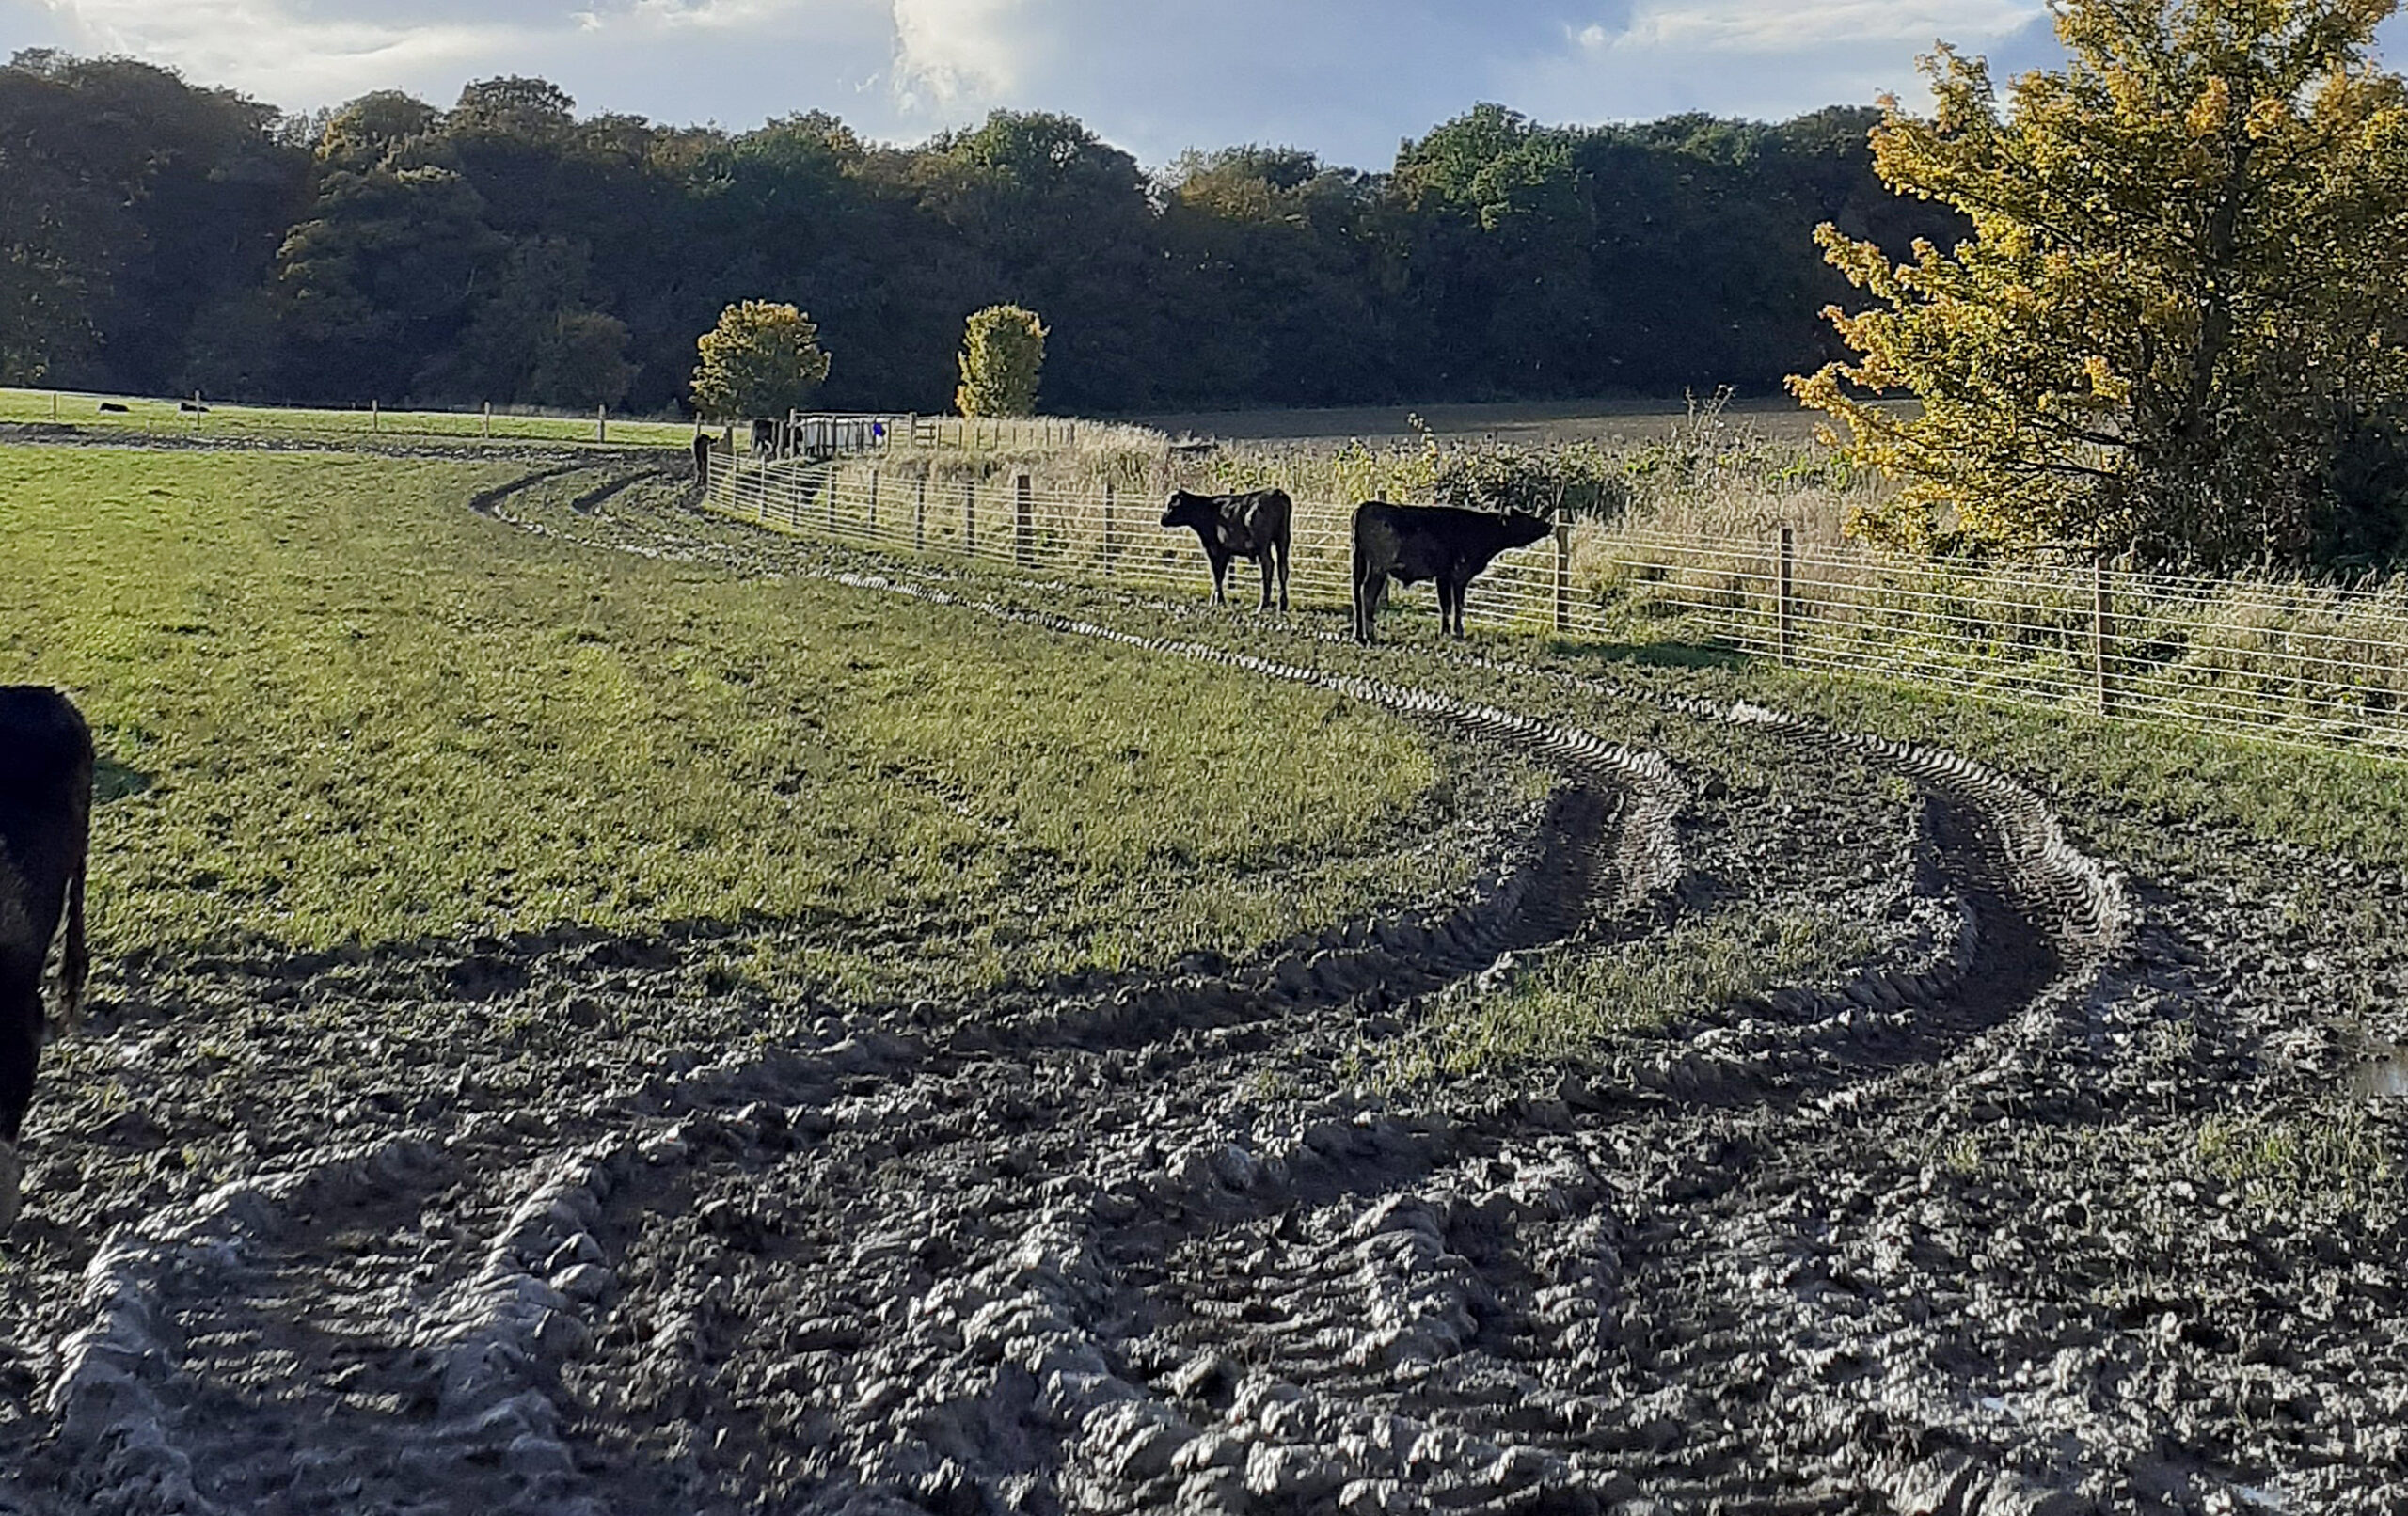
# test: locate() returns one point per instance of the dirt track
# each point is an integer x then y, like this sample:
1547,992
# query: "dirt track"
1917,1237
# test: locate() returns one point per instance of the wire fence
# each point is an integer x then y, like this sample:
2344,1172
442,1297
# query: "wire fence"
2302,664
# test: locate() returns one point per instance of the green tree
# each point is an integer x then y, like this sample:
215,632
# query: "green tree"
2182,295
1003,350
582,362
761,359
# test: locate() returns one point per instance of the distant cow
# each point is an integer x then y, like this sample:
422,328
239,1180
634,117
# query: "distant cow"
1253,525
46,819
1413,543
114,408
765,436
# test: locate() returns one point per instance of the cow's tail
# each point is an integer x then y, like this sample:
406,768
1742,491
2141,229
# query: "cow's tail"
75,967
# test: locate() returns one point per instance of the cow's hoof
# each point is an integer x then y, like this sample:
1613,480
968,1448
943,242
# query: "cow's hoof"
11,1172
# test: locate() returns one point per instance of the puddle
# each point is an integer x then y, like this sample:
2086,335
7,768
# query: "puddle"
2383,1077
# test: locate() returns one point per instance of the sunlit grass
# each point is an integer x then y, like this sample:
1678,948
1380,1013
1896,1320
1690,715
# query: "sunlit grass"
1573,1005
150,416
335,706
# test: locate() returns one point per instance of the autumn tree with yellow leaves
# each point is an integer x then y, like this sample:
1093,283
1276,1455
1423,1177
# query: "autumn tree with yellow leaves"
2178,328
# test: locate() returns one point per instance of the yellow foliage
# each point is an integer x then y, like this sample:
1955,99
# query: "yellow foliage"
2185,272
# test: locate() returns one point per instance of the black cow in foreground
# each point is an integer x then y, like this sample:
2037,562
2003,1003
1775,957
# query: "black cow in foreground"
45,821
1253,525
766,436
1445,543
701,461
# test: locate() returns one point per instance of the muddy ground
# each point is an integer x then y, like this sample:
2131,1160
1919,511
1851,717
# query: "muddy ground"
2054,1198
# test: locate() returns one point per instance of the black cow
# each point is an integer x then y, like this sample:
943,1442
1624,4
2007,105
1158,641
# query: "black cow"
1253,525
765,436
1413,543
46,819
701,461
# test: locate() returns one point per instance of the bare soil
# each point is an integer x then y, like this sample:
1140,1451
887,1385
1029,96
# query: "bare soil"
1931,1234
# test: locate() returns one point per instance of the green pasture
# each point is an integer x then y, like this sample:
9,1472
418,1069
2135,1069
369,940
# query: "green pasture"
152,416
334,706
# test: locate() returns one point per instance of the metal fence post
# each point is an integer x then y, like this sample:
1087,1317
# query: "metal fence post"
1107,526
873,503
1022,527
831,487
1562,577
1784,649
2101,635
969,517
920,517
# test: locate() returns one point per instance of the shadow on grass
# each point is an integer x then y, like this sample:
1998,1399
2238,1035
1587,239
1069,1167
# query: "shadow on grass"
113,781
1653,655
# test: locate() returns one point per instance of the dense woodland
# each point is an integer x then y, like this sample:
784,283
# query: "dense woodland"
160,237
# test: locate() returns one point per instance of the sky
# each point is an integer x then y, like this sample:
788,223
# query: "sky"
1345,79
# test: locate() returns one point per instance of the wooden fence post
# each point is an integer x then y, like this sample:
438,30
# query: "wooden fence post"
873,503
488,420
1023,540
1107,526
54,405
920,517
375,419
969,517
2101,636
1783,648
1562,577
601,423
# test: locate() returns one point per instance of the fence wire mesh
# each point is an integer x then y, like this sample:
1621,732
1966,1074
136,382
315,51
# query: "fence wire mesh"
2303,664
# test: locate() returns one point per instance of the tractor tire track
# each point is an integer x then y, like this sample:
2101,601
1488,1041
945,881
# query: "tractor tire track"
1071,1253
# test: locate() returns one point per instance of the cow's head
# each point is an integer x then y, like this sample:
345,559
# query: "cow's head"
1188,510
1521,529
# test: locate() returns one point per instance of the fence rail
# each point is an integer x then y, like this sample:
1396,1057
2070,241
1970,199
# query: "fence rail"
819,434
2299,664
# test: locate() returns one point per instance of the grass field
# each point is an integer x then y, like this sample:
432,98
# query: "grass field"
150,416
334,706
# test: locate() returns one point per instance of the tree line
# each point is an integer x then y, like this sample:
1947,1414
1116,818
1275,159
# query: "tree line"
159,237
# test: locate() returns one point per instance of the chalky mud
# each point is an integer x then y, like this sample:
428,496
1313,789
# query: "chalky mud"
1901,1238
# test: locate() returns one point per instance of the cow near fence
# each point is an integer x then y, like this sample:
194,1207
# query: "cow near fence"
1445,543
1253,525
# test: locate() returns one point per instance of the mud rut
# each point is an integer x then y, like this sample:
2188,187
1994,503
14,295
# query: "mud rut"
1137,1244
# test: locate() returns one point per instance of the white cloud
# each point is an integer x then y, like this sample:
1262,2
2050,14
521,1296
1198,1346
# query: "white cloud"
1677,27
1345,78
950,55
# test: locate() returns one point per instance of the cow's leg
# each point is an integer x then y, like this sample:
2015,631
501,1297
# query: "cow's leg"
1282,545
1461,585
1266,580
1220,577
1365,605
20,1051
